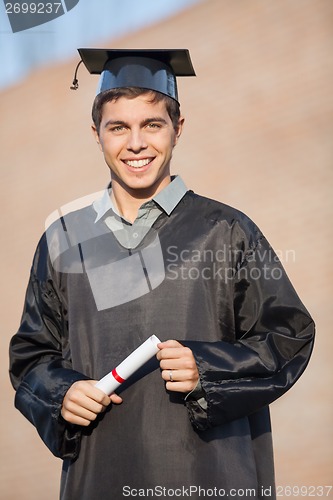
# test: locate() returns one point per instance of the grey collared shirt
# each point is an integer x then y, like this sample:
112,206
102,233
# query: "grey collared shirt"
130,234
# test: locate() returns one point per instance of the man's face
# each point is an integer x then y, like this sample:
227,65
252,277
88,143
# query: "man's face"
137,138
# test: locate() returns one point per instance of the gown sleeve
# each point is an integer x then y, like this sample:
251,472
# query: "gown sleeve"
272,340
40,365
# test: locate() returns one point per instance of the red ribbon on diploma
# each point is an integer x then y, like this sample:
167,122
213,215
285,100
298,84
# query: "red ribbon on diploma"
117,377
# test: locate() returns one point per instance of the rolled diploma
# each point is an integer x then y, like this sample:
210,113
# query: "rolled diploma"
131,364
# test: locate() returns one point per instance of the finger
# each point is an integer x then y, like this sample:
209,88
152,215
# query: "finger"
97,394
73,419
92,400
165,346
174,352
81,411
85,403
184,386
179,376
86,388
169,343
114,398
78,416
178,364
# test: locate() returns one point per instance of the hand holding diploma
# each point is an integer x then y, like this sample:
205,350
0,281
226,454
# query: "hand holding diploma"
86,399
179,369
83,402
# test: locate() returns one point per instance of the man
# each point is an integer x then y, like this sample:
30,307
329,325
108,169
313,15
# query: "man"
151,257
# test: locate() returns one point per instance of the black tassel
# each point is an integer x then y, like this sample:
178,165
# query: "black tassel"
75,84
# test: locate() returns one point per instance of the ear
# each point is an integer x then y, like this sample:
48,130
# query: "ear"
180,129
96,136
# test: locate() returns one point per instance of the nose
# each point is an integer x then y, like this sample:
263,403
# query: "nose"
136,141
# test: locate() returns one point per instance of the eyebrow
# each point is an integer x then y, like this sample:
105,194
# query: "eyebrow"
153,119
114,122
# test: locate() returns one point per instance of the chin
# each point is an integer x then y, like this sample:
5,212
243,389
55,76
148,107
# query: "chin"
145,182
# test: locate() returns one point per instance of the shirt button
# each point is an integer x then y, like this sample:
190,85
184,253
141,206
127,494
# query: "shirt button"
135,235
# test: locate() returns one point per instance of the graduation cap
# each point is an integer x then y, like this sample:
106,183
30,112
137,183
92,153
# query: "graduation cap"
154,69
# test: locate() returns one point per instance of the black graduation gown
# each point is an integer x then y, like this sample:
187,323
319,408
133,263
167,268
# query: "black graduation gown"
224,294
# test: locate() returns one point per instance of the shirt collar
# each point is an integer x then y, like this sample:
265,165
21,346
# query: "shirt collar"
104,204
167,199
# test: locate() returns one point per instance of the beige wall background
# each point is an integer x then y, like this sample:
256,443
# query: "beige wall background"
258,136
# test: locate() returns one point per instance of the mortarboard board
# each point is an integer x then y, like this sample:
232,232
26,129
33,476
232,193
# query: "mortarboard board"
154,69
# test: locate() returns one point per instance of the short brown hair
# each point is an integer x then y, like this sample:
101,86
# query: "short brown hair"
171,105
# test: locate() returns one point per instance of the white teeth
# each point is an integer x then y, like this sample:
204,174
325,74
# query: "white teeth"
137,163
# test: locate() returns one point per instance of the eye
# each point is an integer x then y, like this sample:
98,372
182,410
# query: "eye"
118,128
154,125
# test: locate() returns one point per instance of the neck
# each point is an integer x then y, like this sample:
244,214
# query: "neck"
128,201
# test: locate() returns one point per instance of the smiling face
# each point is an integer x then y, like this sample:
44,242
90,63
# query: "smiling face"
137,138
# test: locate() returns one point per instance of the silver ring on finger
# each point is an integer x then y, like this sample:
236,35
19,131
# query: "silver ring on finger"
170,376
